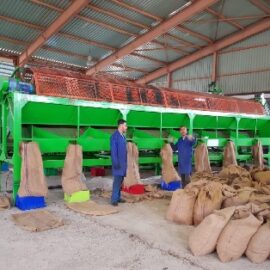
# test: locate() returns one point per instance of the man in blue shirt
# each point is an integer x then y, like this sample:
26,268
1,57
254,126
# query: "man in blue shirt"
119,160
184,146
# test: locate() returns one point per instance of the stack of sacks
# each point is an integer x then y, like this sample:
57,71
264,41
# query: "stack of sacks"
169,174
201,158
233,232
72,178
195,202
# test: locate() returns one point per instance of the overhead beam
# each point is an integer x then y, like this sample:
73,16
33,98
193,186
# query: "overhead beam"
67,15
100,23
160,29
260,6
221,16
219,45
159,19
66,35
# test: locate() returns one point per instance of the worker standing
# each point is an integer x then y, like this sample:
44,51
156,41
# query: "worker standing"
184,146
119,160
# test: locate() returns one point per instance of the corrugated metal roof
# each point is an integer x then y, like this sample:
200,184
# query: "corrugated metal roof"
74,46
94,32
110,20
188,37
243,8
137,62
159,8
59,3
120,11
201,27
28,11
60,58
17,31
161,55
6,46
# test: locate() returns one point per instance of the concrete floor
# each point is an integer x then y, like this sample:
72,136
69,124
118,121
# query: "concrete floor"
138,237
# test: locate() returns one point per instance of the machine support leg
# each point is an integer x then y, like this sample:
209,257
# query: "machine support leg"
17,139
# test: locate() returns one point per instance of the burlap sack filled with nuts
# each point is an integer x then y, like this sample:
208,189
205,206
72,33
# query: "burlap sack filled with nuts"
201,157
133,174
229,155
203,239
237,177
209,199
181,206
169,173
72,177
258,248
33,181
262,177
234,238
257,153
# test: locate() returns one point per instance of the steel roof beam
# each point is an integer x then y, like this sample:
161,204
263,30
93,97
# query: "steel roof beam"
218,45
221,16
66,35
260,5
157,31
90,21
73,9
159,19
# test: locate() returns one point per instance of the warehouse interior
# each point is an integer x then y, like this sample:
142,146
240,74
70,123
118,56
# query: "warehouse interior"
70,70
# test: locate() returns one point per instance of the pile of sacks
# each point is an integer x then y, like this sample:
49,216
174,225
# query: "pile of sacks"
233,232
244,200
199,199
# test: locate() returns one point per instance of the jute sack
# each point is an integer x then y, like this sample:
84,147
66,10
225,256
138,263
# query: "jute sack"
229,155
233,171
262,177
258,248
181,206
257,153
209,199
201,157
169,173
203,239
234,239
241,182
33,181
242,197
133,174
72,176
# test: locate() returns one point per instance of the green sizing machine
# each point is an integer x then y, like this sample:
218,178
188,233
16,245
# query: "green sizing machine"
56,108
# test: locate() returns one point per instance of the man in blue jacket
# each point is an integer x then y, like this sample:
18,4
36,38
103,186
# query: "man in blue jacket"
119,160
184,146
